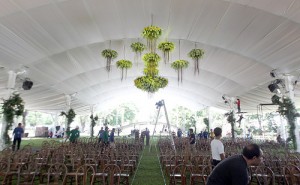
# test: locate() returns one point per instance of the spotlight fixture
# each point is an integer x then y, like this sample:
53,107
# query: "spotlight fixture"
27,84
274,86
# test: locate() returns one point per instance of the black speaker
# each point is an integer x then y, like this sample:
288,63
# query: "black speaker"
27,85
273,87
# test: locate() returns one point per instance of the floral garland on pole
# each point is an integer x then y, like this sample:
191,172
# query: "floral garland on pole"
178,65
109,55
287,109
196,55
93,123
14,106
124,64
137,48
231,120
166,47
206,122
70,116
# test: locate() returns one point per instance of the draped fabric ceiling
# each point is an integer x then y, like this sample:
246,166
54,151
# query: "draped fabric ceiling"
59,44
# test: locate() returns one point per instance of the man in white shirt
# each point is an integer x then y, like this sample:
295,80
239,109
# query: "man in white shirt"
217,147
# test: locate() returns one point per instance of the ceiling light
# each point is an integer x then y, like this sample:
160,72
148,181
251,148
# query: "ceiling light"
27,84
273,88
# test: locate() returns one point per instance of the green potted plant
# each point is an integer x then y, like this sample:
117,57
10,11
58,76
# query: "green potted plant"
196,55
166,47
150,84
70,116
124,64
137,48
14,106
93,123
109,55
151,34
178,65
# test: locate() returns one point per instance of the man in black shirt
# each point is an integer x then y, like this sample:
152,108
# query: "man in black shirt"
234,170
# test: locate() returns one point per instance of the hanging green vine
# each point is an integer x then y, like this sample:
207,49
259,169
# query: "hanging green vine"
93,123
151,34
137,48
70,116
287,109
109,55
124,64
166,48
178,65
231,120
14,106
196,55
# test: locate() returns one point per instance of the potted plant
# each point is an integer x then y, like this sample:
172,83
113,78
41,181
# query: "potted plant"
151,59
151,34
70,116
196,55
137,48
150,84
109,55
93,123
178,65
124,64
14,106
166,47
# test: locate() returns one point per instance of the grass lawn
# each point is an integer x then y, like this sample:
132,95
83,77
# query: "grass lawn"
149,172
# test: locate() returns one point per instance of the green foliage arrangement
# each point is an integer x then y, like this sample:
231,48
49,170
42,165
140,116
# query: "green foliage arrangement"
137,48
150,71
70,116
14,106
151,34
178,65
206,122
93,123
287,109
109,55
150,84
166,48
124,64
196,55
276,99
231,120
151,58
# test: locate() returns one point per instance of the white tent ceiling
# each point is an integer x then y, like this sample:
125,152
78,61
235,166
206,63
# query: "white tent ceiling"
59,43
